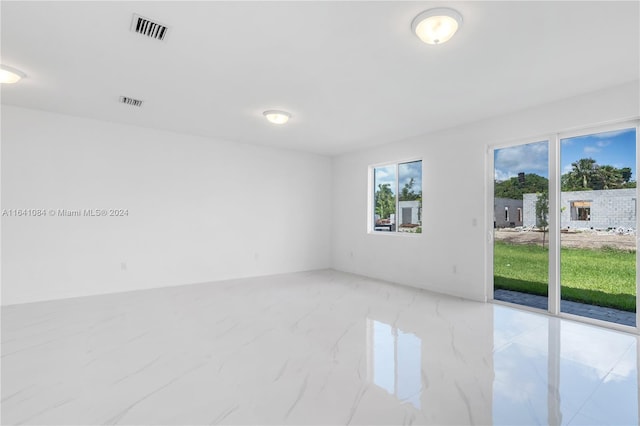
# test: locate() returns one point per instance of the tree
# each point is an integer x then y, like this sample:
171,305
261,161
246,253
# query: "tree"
607,177
407,193
583,171
566,183
385,201
513,189
542,213
587,175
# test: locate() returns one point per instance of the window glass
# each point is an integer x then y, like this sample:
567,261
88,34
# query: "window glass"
410,197
598,224
397,197
385,198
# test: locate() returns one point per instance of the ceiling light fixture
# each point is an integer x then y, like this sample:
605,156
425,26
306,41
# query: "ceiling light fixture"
9,75
436,26
277,117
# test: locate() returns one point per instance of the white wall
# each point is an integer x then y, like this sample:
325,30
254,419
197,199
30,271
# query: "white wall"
449,256
199,209
205,210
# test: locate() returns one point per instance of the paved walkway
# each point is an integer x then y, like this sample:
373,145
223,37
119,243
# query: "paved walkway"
582,309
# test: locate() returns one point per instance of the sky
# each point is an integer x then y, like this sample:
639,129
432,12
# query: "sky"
616,148
406,171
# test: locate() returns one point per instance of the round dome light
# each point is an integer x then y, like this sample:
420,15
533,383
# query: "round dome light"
9,75
436,26
277,117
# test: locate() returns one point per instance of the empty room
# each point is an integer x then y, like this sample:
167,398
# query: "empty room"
319,212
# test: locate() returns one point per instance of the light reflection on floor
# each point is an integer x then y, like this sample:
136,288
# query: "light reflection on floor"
395,361
553,371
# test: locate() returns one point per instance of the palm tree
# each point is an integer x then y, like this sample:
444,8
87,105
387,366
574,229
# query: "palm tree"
608,177
584,170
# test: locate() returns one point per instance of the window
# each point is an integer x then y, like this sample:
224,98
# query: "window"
506,214
520,215
581,210
397,197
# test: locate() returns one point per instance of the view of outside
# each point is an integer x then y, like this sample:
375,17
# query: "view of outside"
599,205
398,197
521,260
598,221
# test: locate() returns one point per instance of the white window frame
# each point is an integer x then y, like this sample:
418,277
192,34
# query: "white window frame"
371,198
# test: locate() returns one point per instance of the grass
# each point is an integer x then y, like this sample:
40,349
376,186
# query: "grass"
603,277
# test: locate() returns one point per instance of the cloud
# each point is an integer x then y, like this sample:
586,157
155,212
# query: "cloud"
500,175
605,135
407,171
385,175
567,168
591,149
529,158
611,134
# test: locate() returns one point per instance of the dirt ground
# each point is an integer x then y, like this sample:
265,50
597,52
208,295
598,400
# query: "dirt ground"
580,239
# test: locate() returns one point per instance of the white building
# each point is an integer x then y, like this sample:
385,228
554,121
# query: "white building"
409,213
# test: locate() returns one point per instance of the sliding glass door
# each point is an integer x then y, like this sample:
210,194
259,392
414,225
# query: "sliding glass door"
565,224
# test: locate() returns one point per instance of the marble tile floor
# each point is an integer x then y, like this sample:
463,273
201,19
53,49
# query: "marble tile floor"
320,347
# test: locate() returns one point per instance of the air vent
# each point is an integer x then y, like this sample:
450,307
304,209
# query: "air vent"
144,26
130,101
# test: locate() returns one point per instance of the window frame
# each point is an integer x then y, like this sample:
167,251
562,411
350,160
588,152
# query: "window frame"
371,197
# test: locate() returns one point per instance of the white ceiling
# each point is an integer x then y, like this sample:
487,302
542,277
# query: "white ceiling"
351,73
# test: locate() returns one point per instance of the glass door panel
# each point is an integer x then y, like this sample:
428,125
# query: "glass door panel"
521,207
598,207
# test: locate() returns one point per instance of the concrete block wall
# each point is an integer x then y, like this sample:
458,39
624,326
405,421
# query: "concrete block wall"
529,209
499,219
611,208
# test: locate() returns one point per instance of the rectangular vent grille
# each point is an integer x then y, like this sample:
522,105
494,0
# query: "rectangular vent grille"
144,26
131,101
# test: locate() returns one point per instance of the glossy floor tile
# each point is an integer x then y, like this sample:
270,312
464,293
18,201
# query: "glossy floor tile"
308,348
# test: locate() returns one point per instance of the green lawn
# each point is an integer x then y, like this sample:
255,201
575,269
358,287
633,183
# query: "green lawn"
605,277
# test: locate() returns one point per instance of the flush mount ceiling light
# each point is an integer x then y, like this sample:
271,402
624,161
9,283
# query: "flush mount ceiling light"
436,26
277,117
9,75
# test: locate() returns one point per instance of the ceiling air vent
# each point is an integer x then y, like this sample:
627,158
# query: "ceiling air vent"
144,26
130,101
